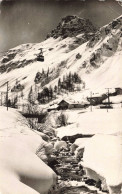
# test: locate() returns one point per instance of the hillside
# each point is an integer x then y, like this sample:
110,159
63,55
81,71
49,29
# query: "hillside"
96,58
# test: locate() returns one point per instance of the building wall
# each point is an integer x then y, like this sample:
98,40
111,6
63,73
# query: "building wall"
63,105
118,91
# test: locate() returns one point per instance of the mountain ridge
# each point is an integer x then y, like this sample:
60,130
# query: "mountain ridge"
93,60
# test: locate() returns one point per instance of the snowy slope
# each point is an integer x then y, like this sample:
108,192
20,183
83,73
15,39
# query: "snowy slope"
99,65
21,171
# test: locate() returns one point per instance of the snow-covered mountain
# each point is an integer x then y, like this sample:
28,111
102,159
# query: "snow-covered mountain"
74,46
77,60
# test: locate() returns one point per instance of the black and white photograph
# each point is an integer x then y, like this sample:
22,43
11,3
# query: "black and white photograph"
60,96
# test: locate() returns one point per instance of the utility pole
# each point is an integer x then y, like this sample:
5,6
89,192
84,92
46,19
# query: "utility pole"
22,95
7,96
108,98
17,82
1,98
91,103
23,108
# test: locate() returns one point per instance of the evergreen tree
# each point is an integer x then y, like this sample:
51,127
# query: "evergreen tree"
64,78
55,89
43,71
17,82
76,78
38,77
68,81
15,100
46,92
50,92
41,97
22,95
48,72
9,103
70,76
59,84
30,95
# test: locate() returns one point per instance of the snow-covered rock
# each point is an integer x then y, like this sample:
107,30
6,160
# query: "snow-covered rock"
102,159
80,143
44,136
44,151
21,170
58,145
73,147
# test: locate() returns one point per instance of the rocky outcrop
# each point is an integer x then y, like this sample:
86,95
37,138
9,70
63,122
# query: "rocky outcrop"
109,29
72,26
108,42
15,58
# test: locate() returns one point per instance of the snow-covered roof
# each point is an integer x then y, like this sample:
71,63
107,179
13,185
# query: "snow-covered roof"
53,106
71,101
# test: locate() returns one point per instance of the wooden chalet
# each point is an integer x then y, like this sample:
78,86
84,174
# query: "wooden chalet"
66,104
95,100
118,91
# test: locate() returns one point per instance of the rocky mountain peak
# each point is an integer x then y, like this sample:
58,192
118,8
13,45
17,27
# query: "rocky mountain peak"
72,26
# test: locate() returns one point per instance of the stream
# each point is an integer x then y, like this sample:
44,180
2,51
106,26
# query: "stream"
70,175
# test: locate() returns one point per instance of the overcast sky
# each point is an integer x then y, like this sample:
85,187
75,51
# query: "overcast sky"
23,21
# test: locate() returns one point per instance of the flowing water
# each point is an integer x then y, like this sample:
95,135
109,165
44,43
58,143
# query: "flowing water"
69,172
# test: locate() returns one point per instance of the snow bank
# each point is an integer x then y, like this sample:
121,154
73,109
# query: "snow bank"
80,143
103,156
99,121
21,171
